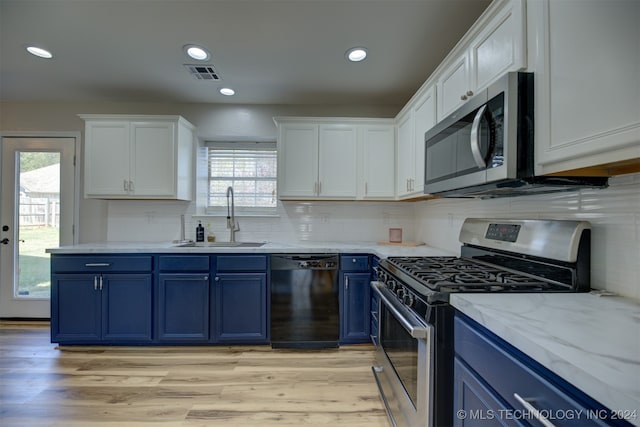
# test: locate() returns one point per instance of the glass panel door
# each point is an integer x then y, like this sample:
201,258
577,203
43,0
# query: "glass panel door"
37,212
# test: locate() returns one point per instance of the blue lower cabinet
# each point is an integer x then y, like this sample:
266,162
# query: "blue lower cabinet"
495,384
240,308
101,308
183,308
76,315
476,404
126,308
101,299
355,308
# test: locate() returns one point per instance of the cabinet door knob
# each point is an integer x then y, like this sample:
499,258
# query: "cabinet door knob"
354,260
469,93
463,97
206,278
217,279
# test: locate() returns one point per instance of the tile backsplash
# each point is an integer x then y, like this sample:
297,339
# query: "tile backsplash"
614,213
316,221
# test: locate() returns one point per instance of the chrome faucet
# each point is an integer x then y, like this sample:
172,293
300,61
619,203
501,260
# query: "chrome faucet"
232,225
182,239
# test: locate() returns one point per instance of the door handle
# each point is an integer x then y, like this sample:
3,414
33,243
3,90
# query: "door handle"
475,139
5,241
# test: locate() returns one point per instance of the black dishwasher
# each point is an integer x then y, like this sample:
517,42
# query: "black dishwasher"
304,301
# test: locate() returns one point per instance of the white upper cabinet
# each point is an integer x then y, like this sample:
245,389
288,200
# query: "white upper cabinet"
138,157
416,118
297,160
378,149
424,118
107,158
337,161
405,166
454,86
497,44
316,161
335,158
586,59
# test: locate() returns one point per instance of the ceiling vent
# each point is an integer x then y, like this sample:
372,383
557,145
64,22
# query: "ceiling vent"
203,72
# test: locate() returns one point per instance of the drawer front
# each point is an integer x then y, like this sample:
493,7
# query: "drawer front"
103,264
354,263
242,263
180,263
504,370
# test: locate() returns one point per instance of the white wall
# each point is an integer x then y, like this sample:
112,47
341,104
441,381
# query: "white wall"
614,214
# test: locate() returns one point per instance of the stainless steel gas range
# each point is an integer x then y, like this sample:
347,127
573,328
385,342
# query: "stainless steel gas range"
414,369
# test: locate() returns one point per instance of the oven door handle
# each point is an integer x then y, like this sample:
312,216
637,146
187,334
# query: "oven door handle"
412,323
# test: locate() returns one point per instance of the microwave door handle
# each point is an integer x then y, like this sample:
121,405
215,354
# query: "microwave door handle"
475,139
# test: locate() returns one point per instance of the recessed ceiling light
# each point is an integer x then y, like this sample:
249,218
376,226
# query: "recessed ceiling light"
196,52
227,91
40,52
356,54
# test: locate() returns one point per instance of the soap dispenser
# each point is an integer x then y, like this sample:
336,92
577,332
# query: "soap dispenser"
199,232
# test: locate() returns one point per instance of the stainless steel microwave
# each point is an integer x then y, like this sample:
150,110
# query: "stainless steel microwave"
486,147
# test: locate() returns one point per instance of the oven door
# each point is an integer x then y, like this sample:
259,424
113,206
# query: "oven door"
404,362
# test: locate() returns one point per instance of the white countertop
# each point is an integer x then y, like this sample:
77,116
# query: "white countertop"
383,251
591,341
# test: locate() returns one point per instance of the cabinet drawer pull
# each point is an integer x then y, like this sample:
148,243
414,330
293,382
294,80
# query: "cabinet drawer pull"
98,264
535,412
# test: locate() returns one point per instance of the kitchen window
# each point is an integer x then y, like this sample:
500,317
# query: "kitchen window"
251,169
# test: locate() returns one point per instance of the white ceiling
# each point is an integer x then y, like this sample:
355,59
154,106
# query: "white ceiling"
269,51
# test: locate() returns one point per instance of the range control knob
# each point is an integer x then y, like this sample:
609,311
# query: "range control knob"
391,285
408,300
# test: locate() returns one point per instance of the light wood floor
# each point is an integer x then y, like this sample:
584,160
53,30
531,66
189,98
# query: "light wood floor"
43,385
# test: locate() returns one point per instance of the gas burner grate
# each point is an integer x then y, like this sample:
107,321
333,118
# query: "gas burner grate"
452,274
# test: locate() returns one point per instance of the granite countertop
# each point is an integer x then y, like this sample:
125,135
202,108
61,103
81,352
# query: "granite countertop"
382,251
591,341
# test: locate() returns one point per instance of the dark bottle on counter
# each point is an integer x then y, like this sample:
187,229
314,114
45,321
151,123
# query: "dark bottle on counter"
199,232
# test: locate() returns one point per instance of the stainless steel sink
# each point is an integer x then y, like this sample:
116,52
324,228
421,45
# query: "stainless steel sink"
221,245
